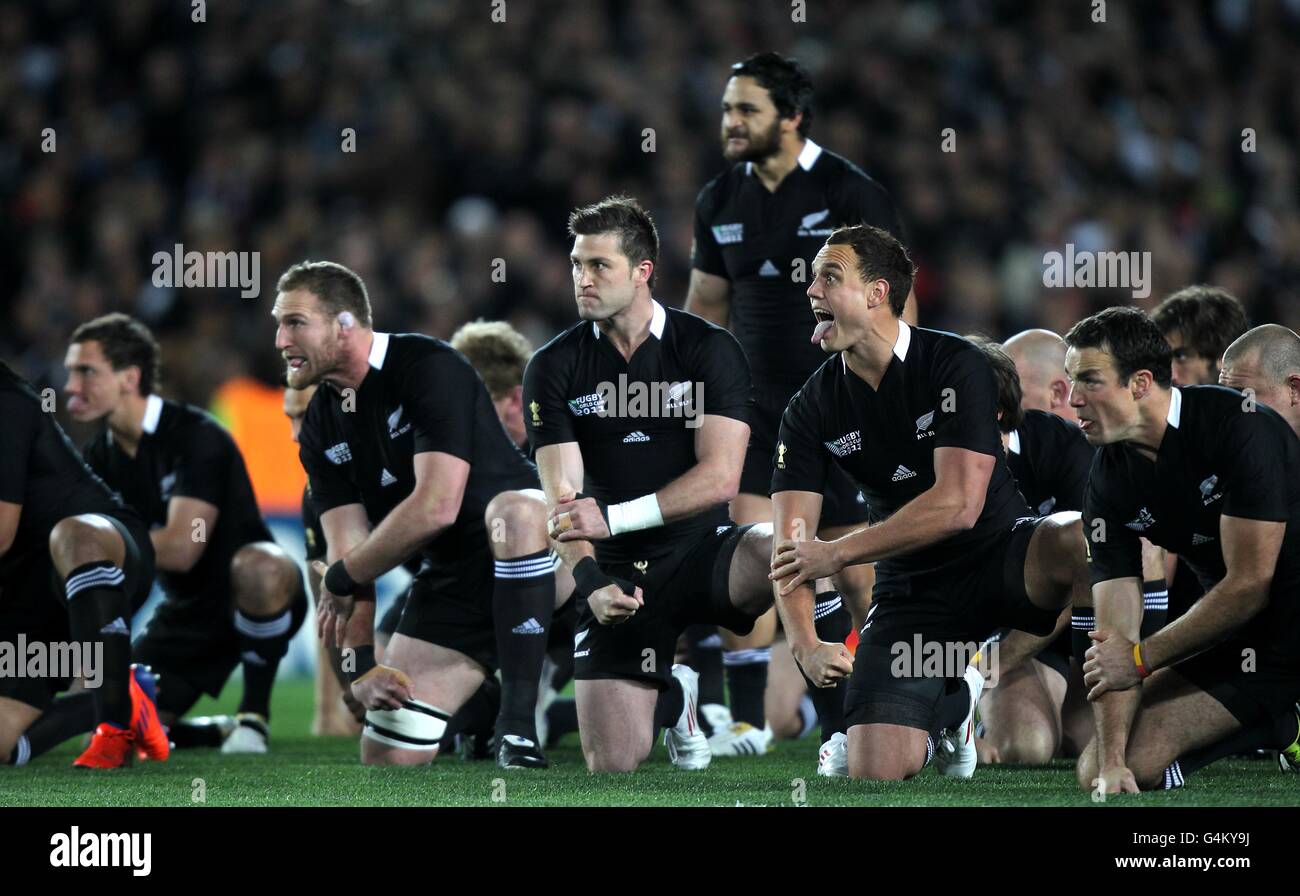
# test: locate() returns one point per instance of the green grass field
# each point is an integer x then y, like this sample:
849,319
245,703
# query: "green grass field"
311,771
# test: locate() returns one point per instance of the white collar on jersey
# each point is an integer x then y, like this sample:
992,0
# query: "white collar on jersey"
901,344
379,350
1013,441
808,157
152,412
1175,408
658,317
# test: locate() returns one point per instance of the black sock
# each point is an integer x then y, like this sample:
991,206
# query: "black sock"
954,705
561,719
747,683
704,655
668,709
185,735
1082,621
1155,606
833,625
263,641
99,612
476,716
71,714
1253,737
523,601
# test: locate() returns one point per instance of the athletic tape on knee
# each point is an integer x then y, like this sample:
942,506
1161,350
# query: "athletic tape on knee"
416,726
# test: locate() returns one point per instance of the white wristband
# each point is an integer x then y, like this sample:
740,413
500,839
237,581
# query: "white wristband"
633,516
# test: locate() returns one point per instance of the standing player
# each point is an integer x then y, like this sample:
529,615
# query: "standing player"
651,547
57,517
406,455
1207,475
233,596
757,227
911,416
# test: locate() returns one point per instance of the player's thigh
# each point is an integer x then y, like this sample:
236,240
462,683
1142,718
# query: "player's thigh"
15,718
440,676
1056,558
1174,718
615,721
1021,716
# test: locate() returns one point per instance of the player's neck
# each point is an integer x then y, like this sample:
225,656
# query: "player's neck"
127,423
1153,423
870,358
355,366
772,170
630,327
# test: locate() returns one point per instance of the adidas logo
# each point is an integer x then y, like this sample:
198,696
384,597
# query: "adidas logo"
768,269
387,478
117,627
529,626
637,436
903,473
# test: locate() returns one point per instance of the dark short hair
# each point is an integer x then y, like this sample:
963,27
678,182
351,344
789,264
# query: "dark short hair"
1008,379
126,342
336,287
880,257
785,80
497,351
1131,337
1209,319
637,237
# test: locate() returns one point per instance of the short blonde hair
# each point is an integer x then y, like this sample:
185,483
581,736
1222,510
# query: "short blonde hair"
498,352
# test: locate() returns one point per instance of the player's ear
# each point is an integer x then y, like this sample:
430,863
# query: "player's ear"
346,320
1293,387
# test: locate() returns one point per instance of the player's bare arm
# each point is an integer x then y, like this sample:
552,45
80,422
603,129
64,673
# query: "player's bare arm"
709,296
561,470
9,516
714,479
797,513
1119,600
1250,552
952,505
179,545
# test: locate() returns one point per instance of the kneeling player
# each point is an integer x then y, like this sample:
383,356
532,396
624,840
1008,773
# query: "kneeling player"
74,565
647,406
1210,475
910,415
403,437
232,594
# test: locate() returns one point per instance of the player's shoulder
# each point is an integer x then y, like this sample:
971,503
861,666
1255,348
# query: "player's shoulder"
692,326
942,346
403,350
180,423
565,344
1048,428
722,185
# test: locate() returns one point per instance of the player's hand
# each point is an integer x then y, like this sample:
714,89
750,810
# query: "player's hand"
354,706
826,663
577,519
804,562
1117,779
1109,664
611,605
332,611
383,687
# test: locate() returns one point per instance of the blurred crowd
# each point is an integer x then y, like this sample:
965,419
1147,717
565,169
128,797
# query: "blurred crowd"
474,139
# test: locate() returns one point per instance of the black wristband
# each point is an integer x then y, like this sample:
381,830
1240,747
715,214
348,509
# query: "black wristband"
588,577
338,581
365,661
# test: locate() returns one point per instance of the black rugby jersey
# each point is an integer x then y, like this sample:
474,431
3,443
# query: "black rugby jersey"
184,453
938,392
752,237
1049,458
41,470
635,421
419,395
1216,458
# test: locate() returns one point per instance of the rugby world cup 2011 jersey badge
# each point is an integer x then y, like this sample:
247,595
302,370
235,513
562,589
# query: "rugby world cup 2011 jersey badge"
845,444
726,234
587,404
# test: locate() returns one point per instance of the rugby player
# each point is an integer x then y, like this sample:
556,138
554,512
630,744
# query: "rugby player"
910,414
1039,356
233,596
1266,361
757,227
75,564
1209,475
499,354
405,455
651,547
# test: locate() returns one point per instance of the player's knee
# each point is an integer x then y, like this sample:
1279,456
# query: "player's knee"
75,540
516,520
882,768
1085,770
600,761
262,576
1031,745
408,735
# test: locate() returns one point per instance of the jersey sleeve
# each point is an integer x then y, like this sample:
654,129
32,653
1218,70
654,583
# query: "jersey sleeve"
329,485
864,201
546,413
706,254
22,420
966,404
203,466
802,460
724,373
440,397
1114,550
1073,459
1252,452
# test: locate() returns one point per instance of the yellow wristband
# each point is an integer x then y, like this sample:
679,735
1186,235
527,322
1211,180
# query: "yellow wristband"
1137,660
